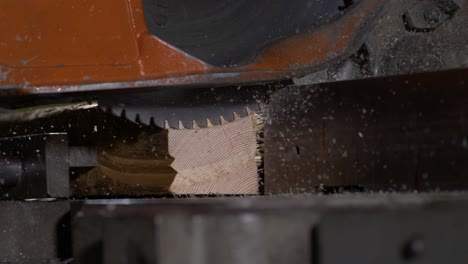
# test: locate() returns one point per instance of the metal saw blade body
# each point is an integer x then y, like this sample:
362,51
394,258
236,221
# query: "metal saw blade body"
186,107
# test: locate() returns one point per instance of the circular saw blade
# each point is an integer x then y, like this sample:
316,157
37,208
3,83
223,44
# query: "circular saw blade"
180,108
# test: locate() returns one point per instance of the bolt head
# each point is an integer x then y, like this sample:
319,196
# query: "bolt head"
433,15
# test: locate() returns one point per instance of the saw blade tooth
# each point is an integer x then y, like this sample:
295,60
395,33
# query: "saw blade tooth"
173,123
195,125
224,121
159,122
202,123
132,116
242,112
144,119
181,125
117,110
228,117
208,123
237,116
124,114
249,111
188,124
166,125
215,120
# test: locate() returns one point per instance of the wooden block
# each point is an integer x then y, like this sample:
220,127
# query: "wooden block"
218,160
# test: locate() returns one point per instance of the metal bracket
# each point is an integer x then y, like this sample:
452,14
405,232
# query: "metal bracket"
427,15
37,166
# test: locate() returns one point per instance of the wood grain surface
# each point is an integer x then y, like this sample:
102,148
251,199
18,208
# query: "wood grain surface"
216,160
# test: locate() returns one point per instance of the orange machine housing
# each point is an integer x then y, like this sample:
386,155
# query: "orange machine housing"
80,45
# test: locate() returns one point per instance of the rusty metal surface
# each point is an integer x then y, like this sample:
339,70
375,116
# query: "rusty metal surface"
395,133
82,45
